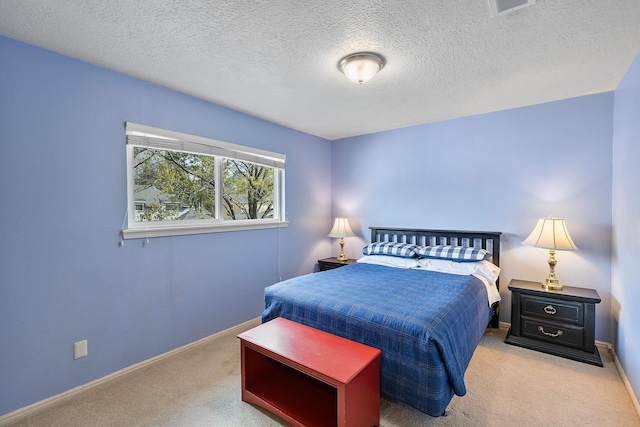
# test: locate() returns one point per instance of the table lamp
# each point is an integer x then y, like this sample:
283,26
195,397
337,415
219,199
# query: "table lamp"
551,233
341,229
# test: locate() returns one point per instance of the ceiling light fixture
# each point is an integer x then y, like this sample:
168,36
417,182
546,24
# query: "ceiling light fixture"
362,66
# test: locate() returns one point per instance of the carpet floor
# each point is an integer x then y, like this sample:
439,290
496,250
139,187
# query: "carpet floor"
506,386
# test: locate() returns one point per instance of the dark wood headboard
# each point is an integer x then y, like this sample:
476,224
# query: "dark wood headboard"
487,240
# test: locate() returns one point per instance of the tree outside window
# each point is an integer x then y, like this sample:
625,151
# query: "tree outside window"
173,185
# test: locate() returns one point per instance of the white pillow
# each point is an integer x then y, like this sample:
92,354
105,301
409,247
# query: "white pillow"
389,261
483,268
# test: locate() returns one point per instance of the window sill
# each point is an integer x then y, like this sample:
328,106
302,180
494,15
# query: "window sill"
183,230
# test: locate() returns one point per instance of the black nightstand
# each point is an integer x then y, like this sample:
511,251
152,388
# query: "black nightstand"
331,263
556,322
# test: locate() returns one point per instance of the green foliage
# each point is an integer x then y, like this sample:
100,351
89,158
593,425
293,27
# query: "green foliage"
178,185
248,190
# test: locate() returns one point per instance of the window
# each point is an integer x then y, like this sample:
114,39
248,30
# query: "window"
186,184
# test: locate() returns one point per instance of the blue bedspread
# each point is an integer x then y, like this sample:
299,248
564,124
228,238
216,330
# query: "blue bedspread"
426,323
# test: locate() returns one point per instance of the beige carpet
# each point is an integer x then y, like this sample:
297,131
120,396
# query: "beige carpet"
507,386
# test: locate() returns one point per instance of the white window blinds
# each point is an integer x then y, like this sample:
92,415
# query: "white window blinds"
146,136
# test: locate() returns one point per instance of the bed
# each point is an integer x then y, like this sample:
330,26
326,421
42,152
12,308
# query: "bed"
427,322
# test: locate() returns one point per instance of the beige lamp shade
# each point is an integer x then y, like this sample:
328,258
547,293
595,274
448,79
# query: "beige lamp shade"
341,228
551,233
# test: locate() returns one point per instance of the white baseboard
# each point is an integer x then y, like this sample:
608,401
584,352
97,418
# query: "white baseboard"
625,380
19,413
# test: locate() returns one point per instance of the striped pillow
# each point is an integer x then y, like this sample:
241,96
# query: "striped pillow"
454,253
402,250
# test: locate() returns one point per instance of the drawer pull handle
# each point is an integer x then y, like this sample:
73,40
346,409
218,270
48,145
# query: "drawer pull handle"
550,309
549,334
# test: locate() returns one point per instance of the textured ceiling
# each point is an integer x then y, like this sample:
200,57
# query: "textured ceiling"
276,59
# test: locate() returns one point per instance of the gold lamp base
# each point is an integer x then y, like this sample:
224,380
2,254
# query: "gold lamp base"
342,256
552,283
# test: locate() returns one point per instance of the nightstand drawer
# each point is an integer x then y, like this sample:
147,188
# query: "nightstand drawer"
557,333
553,309
331,263
327,266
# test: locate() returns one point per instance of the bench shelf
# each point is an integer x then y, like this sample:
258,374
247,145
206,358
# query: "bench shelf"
309,377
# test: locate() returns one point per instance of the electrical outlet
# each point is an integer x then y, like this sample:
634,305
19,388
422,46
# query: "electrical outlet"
80,349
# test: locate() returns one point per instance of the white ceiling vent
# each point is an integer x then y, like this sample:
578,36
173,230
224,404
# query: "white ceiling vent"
500,7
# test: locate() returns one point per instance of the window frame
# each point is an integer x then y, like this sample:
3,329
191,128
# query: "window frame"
138,135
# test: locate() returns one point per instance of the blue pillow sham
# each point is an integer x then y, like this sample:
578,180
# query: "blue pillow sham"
402,250
454,253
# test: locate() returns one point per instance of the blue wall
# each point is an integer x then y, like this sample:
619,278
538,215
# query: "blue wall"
494,172
64,277
625,289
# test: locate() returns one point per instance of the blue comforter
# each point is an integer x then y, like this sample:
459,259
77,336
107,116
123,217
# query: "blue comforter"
426,323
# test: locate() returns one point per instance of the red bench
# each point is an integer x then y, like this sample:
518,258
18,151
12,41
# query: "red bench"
309,377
